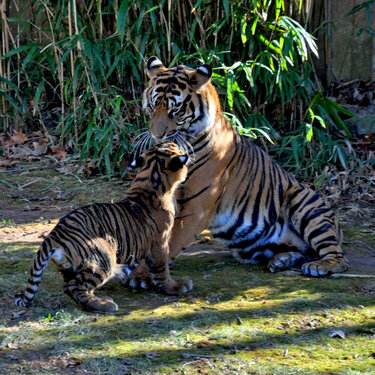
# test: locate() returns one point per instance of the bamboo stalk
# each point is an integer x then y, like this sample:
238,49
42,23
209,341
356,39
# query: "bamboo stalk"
200,24
57,56
5,70
169,29
72,70
99,10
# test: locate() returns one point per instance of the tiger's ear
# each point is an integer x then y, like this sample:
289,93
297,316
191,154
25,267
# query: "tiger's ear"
154,66
137,163
202,75
177,163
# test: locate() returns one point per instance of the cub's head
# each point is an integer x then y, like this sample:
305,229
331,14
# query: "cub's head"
164,166
180,101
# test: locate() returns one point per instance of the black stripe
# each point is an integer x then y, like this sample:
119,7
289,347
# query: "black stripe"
185,200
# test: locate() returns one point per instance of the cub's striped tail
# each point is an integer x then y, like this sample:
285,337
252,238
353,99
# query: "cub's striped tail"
40,263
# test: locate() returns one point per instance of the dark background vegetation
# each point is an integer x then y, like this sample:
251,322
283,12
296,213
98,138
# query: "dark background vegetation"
71,79
75,70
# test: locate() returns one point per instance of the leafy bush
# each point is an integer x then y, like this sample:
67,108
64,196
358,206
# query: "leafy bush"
80,66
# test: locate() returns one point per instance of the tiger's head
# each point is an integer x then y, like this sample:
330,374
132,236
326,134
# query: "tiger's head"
179,101
164,166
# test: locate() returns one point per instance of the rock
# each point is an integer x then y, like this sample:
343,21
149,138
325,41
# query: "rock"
361,124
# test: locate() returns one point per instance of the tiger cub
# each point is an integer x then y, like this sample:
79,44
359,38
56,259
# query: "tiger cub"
99,242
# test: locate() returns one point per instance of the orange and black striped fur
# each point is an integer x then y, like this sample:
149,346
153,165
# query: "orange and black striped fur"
233,187
96,243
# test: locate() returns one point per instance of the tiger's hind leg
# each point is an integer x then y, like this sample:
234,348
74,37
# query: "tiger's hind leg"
318,226
81,290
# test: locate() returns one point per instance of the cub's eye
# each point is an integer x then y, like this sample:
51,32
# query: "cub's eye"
150,109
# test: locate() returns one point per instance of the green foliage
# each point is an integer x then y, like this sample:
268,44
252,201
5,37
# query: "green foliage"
367,6
80,65
298,154
6,223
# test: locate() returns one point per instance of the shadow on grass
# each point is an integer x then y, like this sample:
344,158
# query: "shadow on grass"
147,360
225,293
216,279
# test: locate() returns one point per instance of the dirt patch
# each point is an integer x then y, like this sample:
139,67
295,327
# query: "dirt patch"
33,198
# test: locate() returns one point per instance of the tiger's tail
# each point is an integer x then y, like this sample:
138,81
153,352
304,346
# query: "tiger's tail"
40,263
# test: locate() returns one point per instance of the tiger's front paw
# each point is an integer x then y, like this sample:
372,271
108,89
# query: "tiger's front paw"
140,278
177,287
325,267
283,261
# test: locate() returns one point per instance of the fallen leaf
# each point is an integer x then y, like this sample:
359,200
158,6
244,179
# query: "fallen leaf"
11,345
152,355
73,363
67,170
17,315
38,149
203,343
6,163
337,333
58,152
21,152
238,319
18,137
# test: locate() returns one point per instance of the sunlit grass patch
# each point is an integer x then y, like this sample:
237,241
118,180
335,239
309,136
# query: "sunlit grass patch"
238,319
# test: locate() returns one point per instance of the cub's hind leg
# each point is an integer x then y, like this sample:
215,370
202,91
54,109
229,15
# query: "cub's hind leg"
81,289
317,225
139,277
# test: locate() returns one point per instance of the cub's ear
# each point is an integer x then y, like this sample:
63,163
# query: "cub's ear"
137,163
177,163
202,75
154,66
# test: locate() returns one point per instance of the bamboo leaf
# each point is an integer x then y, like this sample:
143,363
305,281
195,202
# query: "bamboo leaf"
19,50
230,90
11,101
121,18
254,25
9,83
243,30
226,8
38,93
309,133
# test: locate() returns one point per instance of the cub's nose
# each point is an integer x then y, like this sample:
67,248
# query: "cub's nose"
157,137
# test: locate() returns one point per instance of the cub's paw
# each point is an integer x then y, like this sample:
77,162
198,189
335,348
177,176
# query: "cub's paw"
177,287
283,261
325,267
140,278
100,304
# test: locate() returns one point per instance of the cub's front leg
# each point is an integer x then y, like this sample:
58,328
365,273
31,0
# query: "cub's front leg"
161,277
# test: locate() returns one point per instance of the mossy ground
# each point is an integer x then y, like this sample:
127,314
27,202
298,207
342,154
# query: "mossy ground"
237,319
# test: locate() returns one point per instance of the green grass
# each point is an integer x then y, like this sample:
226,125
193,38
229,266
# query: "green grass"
238,319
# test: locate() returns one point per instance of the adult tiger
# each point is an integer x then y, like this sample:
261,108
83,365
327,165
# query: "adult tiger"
96,243
234,188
